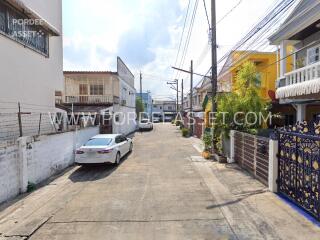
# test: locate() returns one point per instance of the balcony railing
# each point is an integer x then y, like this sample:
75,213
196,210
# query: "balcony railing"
92,99
307,73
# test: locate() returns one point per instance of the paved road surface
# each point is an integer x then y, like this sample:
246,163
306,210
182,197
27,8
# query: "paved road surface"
160,191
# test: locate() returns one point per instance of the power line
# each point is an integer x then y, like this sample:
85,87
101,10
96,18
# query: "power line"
229,12
205,9
186,46
184,26
260,25
204,53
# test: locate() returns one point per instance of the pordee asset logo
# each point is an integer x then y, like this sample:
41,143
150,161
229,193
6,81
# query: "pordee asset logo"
120,118
23,23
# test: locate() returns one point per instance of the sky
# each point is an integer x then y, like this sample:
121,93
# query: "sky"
146,35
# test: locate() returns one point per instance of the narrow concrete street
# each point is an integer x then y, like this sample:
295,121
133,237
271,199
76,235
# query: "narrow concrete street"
162,190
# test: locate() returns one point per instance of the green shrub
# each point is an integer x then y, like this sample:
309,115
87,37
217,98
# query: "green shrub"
207,140
185,132
172,122
31,187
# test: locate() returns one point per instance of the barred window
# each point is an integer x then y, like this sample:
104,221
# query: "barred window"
13,25
96,89
313,55
2,18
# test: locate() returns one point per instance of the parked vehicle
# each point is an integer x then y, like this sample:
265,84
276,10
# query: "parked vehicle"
167,118
145,124
104,148
156,120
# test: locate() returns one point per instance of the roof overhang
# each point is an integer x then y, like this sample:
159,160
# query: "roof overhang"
304,90
297,22
21,6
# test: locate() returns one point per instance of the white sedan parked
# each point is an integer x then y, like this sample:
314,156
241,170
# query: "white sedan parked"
145,124
104,148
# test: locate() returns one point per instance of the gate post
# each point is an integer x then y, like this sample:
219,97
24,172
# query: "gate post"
23,164
273,165
232,147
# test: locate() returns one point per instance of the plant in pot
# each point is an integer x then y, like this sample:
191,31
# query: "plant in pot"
185,132
207,141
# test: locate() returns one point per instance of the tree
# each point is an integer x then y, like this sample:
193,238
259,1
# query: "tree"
245,99
139,106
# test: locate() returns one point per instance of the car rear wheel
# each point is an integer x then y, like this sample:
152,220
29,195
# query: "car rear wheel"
117,161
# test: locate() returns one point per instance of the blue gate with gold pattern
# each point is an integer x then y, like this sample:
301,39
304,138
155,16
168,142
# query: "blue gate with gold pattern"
299,162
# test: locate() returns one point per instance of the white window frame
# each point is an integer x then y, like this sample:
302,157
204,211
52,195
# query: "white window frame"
308,54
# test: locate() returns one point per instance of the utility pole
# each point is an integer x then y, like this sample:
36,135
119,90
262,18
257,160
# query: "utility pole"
181,97
177,97
176,88
191,97
141,86
214,63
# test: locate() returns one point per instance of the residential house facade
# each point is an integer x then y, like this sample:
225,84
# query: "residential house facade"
31,62
300,86
266,71
164,109
110,94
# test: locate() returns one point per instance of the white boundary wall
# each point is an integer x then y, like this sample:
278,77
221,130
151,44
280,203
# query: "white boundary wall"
35,160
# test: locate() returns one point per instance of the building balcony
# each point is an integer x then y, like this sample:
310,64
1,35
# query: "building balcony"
92,99
301,83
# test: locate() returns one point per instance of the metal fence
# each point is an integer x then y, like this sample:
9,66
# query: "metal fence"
252,154
21,119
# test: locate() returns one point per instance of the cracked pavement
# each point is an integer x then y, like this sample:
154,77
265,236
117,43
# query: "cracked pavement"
162,190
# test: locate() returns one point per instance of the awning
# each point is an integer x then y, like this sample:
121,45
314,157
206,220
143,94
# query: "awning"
299,89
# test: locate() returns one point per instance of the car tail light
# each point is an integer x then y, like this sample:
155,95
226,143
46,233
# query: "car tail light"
105,151
79,152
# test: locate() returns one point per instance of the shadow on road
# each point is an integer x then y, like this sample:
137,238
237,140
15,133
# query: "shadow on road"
243,196
94,172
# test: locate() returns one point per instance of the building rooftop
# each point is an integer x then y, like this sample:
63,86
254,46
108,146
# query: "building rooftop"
89,72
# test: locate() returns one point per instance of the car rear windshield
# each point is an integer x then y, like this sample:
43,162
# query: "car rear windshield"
99,142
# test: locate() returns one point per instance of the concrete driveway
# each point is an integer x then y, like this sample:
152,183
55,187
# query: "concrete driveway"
158,192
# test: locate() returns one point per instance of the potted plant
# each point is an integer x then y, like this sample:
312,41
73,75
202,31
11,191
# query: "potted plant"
185,132
207,141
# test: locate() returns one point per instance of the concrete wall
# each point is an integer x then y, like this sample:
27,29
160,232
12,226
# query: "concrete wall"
9,172
127,93
35,160
127,123
26,75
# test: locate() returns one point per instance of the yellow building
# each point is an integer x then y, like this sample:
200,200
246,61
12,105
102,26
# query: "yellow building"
267,71
265,63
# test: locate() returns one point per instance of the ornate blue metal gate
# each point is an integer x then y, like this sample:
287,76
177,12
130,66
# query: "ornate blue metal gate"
299,166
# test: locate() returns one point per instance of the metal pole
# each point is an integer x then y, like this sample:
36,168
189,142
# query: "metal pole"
141,86
191,97
39,128
19,120
177,108
181,97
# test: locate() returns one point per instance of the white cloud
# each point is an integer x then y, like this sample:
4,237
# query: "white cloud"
94,30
